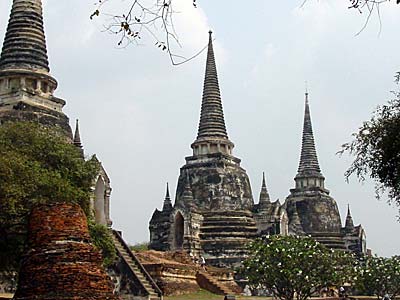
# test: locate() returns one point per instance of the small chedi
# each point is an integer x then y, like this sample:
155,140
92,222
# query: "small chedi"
60,262
214,213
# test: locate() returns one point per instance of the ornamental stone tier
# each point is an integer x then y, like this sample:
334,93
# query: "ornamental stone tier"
26,86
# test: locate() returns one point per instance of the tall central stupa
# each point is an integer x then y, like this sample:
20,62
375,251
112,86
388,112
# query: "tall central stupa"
212,212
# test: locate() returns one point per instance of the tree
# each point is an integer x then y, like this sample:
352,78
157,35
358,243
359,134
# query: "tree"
140,247
379,276
376,147
37,165
291,265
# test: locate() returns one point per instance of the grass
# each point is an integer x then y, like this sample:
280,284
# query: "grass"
205,295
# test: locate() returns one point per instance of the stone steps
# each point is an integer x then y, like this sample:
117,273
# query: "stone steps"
224,236
208,282
151,289
231,234
227,228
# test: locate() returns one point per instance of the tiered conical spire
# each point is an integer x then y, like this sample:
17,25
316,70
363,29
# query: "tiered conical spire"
77,136
308,158
264,195
77,139
212,123
349,219
24,46
212,136
167,202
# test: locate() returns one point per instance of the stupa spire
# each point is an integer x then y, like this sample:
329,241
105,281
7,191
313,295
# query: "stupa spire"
212,123
167,201
349,219
264,195
308,166
77,135
308,158
24,46
212,129
77,138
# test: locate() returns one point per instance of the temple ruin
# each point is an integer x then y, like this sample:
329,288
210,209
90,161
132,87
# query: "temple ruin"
214,213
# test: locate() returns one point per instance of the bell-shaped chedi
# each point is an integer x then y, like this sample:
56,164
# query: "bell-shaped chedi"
309,203
60,262
26,85
217,180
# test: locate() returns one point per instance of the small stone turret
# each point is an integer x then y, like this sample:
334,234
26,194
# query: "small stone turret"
26,87
77,138
264,199
167,202
349,226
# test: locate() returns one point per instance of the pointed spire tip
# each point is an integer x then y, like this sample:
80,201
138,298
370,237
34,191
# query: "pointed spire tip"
167,192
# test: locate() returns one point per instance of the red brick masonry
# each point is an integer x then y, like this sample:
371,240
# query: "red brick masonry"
60,262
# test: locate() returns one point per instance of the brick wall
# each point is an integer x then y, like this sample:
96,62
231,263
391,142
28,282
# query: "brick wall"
60,262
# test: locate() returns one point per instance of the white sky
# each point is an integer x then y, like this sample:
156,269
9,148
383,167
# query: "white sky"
139,114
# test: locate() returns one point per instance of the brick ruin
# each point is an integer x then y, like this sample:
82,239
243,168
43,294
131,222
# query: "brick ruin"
214,213
60,262
177,273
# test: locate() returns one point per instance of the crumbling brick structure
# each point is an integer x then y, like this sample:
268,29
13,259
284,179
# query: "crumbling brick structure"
60,262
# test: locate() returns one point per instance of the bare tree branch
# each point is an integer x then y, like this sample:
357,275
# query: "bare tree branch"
140,19
368,6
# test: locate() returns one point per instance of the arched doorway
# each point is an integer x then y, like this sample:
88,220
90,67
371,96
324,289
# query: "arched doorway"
99,195
179,231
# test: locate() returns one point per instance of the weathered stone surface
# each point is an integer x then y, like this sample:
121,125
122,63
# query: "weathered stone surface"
317,212
60,262
217,182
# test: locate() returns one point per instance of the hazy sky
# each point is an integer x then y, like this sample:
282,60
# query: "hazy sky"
139,114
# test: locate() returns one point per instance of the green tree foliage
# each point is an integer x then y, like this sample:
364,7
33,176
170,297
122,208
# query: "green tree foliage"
140,247
290,265
102,239
376,147
37,165
379,276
